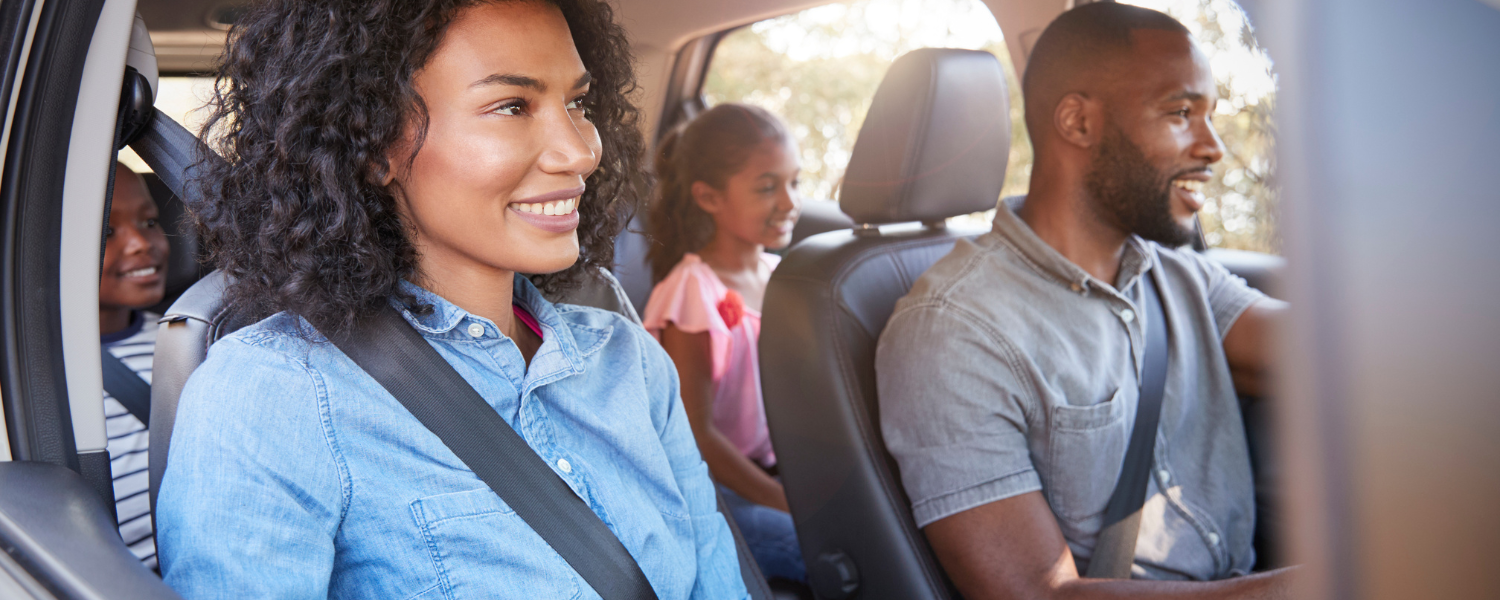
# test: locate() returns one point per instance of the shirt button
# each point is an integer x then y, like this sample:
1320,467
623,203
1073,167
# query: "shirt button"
567,467
1213,539
1127,315
1078,288
1164,476
476,330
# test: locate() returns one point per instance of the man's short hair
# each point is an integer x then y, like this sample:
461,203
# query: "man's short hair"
1076,44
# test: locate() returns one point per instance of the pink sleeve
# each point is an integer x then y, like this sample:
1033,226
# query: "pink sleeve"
689,298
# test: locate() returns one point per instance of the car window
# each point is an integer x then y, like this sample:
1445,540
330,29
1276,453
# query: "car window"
1242,202
818,69
183,99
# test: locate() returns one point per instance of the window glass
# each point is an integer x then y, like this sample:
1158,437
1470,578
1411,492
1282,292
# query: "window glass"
818,69
183,99
1242,197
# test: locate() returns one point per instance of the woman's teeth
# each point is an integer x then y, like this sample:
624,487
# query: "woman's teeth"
559,207
141,272
1195,187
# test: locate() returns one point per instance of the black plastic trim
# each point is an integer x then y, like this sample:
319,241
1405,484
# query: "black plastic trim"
32,377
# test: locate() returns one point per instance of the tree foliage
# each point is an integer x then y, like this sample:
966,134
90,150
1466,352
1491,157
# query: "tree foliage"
819,69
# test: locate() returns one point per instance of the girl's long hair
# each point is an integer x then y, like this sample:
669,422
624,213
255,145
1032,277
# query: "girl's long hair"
311,96
711,148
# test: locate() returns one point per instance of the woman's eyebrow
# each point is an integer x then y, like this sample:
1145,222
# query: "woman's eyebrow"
527,82
511,79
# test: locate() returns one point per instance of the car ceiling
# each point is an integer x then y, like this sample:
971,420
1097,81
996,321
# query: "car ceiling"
186,41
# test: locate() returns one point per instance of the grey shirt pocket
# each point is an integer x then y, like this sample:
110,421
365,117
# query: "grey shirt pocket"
1087,445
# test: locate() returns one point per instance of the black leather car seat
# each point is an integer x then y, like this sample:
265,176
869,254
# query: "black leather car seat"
934,145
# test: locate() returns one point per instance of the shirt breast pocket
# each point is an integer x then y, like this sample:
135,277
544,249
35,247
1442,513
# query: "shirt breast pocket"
1087,447
483,549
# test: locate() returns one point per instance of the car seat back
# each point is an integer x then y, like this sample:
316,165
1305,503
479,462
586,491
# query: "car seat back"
934,145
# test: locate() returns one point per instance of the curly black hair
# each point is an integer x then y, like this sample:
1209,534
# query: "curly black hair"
310,96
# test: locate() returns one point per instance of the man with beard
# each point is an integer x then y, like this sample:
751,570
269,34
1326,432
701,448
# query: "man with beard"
1009,376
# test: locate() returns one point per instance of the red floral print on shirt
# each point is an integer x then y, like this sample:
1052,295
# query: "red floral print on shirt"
732,309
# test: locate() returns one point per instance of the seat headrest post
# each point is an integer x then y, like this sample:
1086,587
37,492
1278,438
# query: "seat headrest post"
935,142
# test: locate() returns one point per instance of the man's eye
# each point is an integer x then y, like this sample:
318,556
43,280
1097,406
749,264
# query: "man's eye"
152,223
1183,112
109,232
512,109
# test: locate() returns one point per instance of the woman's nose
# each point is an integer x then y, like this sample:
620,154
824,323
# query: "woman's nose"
567,149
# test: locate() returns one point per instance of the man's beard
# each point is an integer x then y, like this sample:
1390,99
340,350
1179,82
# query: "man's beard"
1132,195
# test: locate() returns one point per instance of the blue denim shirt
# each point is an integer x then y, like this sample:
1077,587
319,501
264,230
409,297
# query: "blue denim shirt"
293,474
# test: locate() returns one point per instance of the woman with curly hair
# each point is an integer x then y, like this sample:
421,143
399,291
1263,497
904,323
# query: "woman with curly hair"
452,160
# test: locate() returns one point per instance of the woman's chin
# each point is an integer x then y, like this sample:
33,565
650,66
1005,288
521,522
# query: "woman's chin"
546,264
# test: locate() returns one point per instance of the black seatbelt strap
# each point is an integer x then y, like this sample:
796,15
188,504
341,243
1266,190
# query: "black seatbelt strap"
126,386
1114,551
410,369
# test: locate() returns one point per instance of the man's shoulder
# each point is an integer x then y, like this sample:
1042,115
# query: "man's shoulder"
966,280
978,262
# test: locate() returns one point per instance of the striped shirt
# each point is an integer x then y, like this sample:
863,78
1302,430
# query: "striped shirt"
129,439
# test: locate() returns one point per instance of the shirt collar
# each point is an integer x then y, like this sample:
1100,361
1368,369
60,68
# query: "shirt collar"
1137,259
558,336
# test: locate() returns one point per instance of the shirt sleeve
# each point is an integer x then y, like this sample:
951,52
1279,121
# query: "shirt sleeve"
952,411
1228,294
718,558
253,495
687,300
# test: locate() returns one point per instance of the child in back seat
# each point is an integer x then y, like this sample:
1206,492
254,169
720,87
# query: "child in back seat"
728,191
133,277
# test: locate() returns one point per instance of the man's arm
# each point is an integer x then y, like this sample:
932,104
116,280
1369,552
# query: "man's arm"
1248,346
1012,548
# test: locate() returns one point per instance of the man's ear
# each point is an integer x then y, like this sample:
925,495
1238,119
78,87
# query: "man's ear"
707,198
1079,120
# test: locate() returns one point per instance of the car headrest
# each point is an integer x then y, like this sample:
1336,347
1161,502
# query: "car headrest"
935,141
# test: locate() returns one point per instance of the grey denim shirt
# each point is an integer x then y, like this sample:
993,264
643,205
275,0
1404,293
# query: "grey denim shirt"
1008,369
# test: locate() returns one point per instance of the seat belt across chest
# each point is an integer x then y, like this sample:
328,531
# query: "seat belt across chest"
1114,550
408,367
125,386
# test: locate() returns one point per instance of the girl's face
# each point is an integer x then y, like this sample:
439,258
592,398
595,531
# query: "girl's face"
760,203
495,186
135,251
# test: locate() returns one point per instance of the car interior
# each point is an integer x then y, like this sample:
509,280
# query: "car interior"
933,147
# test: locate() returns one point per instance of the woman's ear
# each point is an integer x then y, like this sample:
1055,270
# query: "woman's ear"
707,198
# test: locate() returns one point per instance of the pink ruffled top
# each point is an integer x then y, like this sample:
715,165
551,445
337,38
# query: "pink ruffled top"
692,298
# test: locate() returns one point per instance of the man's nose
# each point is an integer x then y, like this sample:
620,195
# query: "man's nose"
1206,144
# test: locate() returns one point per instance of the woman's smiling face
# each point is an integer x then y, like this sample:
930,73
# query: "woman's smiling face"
496,183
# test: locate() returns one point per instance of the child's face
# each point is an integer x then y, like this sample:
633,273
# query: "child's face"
135,252
760,203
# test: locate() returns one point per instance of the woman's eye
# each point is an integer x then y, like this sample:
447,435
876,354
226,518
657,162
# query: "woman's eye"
152,223
109,232
578,104
512,109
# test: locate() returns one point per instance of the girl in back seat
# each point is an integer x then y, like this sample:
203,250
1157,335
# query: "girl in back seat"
444,165
727,192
